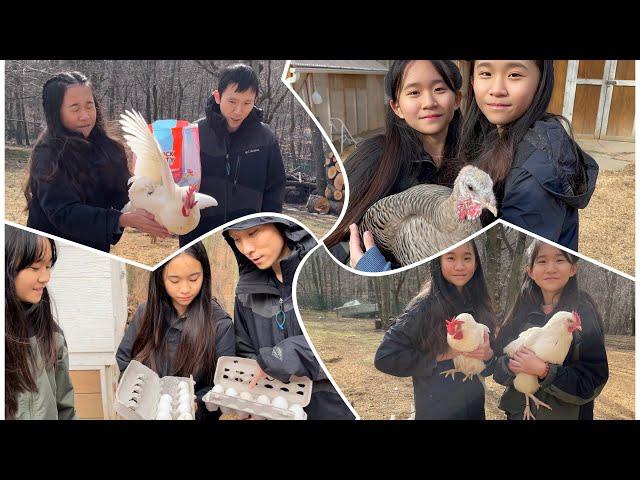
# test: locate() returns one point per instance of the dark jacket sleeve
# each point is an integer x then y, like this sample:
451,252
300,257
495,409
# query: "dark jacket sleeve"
399,353
274,190
581,381
123,355
244,345
292,356
64,208
528,205
501,372
64,386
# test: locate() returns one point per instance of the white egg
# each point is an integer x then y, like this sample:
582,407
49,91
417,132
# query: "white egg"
280,402
264,400
232,392
184,397
298,411
246,396
166,398
163,416
183,385
184,408
185,416
163,407
218,388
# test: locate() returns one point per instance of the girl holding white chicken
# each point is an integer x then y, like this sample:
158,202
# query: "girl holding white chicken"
78,174
180,330
416,345
549,286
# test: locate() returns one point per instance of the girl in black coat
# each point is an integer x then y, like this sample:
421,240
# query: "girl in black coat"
181,330
550,285
78,175
416,345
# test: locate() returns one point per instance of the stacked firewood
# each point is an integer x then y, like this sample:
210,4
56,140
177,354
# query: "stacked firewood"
333,198
298,187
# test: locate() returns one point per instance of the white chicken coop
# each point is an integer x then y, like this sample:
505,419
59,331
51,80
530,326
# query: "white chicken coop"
356,309
90,297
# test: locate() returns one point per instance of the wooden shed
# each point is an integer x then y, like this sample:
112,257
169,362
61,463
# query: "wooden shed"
347,93
596,96
89,294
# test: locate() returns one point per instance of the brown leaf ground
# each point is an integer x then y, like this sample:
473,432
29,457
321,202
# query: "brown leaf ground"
348,346
133,245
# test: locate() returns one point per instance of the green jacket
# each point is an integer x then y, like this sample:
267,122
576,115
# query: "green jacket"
570,389
53,398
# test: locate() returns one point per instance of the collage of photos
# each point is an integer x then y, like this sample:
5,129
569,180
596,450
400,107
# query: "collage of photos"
319,239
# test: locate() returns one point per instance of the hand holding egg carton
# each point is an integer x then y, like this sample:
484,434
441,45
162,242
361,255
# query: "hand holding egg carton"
270,398
143,395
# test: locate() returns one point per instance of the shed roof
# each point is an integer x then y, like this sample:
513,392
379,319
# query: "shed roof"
341,66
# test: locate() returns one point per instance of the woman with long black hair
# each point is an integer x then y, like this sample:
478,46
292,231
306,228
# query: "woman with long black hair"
78,174
181,330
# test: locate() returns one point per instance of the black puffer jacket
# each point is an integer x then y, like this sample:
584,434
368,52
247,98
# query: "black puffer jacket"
88,213
243,170
225,346
259,299
548,183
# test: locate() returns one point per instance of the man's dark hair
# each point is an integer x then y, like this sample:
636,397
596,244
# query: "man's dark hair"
243,75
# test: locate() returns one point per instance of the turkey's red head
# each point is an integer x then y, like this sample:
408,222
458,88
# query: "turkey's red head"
189,200
453,328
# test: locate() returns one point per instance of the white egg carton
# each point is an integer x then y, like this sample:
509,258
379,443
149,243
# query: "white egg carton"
237,373
140,389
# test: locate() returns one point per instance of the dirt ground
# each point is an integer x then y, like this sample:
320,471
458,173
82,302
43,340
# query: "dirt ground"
133,245
348,346
612,243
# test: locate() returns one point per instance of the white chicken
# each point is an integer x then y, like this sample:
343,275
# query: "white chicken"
550,343
465,335
152,186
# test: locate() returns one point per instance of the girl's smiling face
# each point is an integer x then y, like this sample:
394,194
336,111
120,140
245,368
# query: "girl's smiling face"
458,265
504,89
183,278
30,281
551,271
425,101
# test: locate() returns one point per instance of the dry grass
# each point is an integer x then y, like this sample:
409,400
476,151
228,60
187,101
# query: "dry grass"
609,241
348,346
133,245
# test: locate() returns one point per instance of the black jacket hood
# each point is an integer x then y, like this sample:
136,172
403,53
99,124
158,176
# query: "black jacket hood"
299,240
218,122
556,170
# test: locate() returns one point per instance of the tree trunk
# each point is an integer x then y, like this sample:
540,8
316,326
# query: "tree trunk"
515,274
317,155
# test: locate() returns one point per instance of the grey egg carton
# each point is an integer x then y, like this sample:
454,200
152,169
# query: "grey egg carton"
140,389
237,372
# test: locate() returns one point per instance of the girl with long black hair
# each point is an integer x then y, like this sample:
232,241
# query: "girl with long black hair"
419,145
78,175
416,345
37,381
550,285
541,176
181,330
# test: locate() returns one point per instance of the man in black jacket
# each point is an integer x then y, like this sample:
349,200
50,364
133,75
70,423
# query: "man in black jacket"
241,162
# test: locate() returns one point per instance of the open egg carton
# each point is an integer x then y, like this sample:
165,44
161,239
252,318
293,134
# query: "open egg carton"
270,398
143,395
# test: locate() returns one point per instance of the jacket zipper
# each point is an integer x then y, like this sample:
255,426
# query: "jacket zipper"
226,186
281,314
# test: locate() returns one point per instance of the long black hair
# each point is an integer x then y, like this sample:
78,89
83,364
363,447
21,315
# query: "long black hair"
482,145
397,148
530,296
440,300
69,149
24,320
196,352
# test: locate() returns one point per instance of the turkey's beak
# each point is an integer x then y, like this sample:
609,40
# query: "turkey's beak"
491,208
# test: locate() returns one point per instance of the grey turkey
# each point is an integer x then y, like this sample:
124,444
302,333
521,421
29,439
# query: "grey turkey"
424,220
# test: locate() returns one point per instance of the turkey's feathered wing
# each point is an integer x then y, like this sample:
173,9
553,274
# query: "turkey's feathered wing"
150,161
